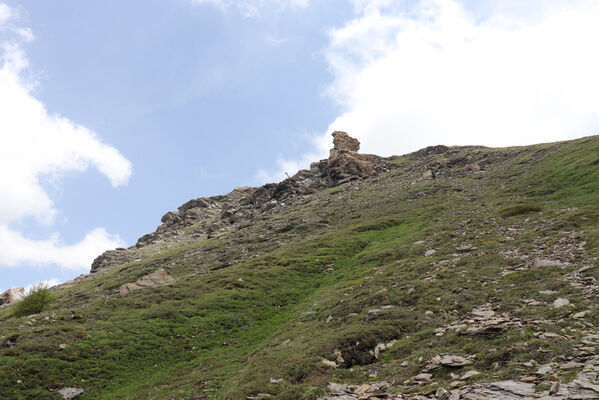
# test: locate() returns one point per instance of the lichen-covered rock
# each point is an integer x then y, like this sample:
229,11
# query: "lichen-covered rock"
158,278
11,296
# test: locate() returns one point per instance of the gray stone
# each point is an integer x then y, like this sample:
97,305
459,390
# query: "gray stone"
540,263
442,394
423,377
337,388
544,369
70,393
558,303
587,385
469,374
454,361
519,388
465,248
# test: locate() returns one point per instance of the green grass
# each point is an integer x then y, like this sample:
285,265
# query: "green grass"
519,209
303,282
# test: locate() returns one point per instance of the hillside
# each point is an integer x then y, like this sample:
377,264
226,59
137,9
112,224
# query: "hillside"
451,272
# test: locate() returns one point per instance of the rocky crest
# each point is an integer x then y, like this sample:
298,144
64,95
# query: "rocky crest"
206,217
345,164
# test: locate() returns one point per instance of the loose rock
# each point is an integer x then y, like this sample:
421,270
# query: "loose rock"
558,303
70,393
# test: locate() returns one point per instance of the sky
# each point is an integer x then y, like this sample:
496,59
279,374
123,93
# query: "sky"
113,113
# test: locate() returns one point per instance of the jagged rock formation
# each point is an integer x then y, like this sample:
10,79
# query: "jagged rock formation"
206,217
345,164
11,296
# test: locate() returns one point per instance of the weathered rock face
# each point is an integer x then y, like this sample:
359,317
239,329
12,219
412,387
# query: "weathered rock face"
158,278
345,164
111,257
343,142
203,218
11,296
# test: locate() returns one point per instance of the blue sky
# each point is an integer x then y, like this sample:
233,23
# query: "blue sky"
113,113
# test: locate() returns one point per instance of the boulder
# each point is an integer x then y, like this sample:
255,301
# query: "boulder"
158,278
70,393
11,296
429,252
558,303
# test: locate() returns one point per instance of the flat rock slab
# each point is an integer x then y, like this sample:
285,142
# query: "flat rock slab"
158,278
454,361
519,388
70,393
540,263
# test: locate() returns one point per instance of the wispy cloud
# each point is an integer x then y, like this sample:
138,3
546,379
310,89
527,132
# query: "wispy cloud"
253,8
36,145
437,73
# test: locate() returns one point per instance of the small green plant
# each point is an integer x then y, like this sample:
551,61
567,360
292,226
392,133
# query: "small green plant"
35,301
519,209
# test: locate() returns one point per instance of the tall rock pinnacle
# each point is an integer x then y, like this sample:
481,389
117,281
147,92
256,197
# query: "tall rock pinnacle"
345,164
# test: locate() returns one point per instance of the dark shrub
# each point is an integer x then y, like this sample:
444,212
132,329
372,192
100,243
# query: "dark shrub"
36,301
519,209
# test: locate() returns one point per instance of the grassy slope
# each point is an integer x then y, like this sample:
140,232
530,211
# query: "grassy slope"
344,251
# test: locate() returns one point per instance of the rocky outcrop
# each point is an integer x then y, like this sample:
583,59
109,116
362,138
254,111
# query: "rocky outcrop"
345,164
11,296
548,387
112,257
202,218
158,278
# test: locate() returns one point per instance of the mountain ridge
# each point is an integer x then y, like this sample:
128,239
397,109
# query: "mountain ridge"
215,215
448,262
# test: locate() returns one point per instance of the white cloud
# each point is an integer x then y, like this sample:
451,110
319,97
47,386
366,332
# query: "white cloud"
438,73
5,14
17,249
254,8
36,146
